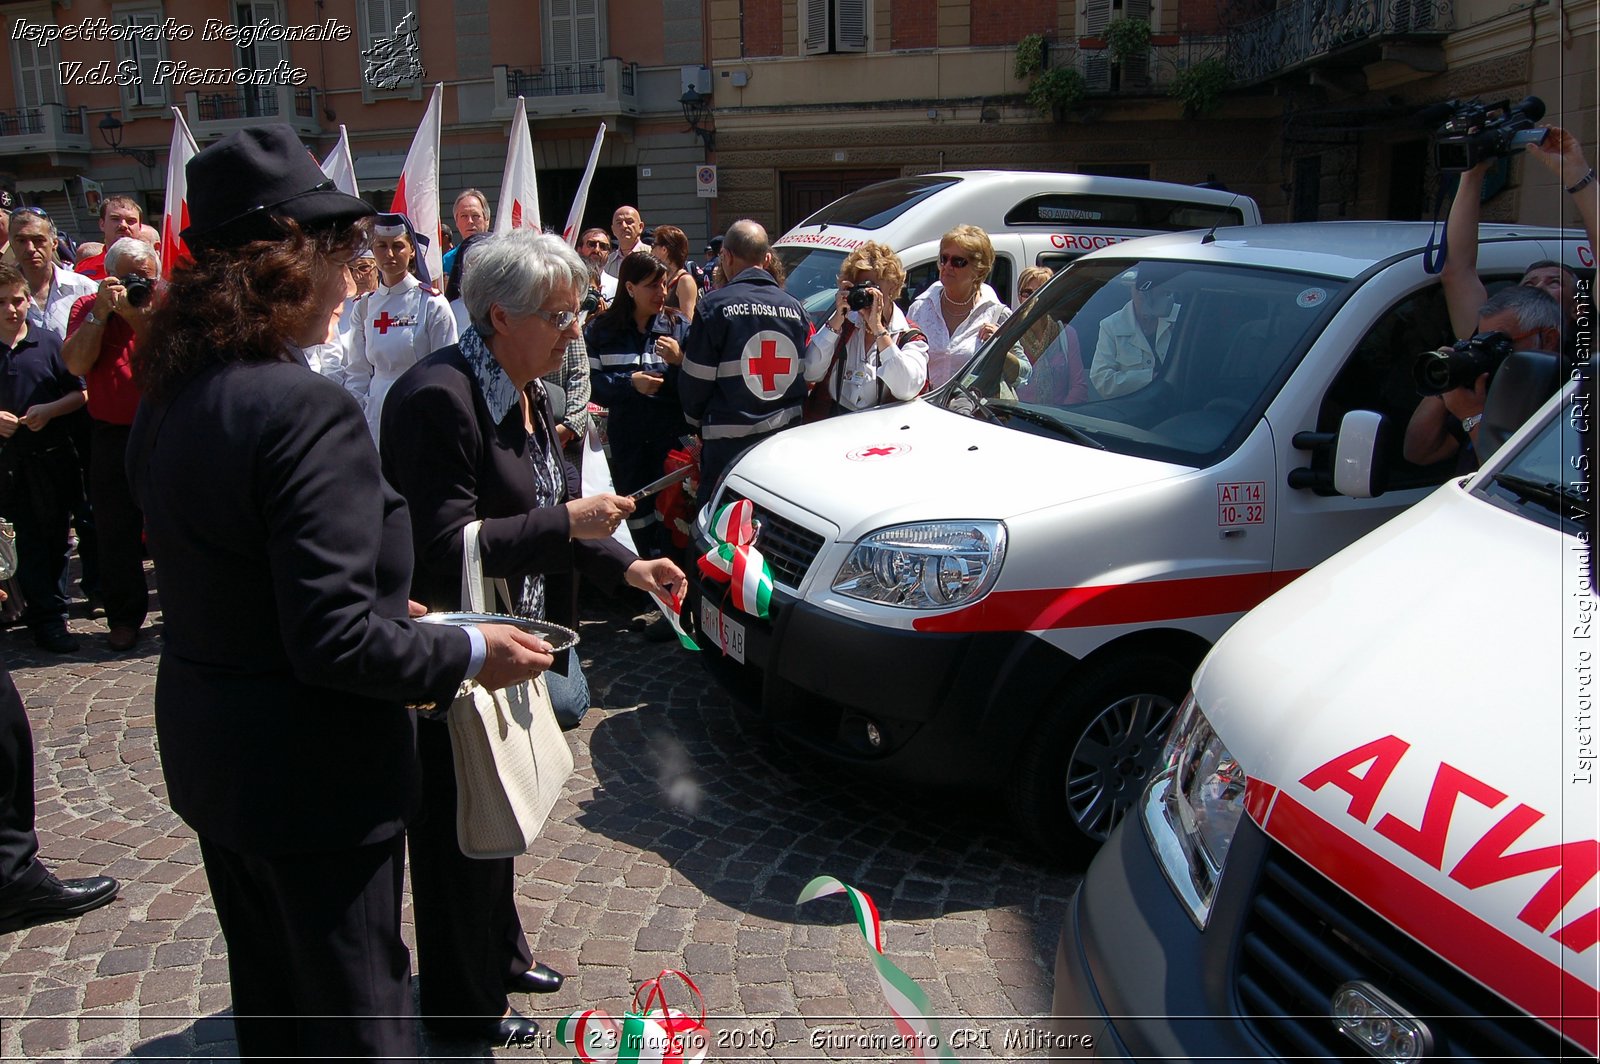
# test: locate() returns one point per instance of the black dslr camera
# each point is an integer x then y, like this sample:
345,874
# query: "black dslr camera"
591,300
1437,372
860,297
1474,131
138,288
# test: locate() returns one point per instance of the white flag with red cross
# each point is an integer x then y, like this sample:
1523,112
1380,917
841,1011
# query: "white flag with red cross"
519,186
175,212
417,194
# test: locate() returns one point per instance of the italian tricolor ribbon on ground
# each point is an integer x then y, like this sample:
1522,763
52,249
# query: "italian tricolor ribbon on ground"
734,558
906,1001
660,1034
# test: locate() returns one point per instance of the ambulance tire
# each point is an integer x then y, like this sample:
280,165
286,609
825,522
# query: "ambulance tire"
1088,762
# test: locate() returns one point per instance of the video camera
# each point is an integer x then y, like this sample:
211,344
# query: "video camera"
1470,132
1460,366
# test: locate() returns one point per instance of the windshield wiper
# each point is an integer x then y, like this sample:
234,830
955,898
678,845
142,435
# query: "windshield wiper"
979,405
1050,421
1546,493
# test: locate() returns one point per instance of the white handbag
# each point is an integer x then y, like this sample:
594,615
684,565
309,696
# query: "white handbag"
511,758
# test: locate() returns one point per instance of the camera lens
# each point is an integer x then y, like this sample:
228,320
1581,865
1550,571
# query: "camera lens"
860,297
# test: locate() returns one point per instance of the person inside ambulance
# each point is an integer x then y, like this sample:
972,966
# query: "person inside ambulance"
1133,341
400,323
1447,425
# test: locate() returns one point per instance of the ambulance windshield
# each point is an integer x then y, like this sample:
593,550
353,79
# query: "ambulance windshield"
1168,360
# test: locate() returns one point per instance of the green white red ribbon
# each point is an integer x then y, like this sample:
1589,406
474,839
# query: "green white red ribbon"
734,558
655,1033
906,1001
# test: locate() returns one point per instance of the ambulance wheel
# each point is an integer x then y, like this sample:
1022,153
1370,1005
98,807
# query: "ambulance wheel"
1090,761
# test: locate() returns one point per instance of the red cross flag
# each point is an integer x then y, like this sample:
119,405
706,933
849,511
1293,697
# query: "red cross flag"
519,186
417,194
175,213
769,363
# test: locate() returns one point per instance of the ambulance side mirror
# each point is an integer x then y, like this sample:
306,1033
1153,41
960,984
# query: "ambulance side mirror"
1347,462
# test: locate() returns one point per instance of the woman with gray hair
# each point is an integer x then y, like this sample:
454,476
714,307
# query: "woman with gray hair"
469,435
103,330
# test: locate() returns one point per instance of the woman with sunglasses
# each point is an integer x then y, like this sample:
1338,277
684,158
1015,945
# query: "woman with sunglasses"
401,322
635,351
958,312
1055,359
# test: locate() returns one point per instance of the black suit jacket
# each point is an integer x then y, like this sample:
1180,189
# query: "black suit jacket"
284,563
454,466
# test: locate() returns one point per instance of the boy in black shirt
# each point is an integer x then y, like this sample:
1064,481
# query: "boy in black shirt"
38,466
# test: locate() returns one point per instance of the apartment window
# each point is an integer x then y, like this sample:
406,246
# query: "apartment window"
37,78
833,26
145,54
256,101
384,20
572,32
1097,15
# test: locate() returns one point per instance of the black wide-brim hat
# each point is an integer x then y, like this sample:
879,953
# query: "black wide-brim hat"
240,185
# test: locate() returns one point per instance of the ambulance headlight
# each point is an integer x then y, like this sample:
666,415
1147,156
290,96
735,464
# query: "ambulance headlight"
1192,809
930,566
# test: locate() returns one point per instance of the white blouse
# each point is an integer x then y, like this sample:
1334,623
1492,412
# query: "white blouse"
949,351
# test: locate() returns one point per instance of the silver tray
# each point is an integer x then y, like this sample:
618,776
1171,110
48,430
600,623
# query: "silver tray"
558,636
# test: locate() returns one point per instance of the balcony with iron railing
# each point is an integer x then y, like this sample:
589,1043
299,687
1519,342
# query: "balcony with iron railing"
1153,73
50,127
217,113
1303,32
606,86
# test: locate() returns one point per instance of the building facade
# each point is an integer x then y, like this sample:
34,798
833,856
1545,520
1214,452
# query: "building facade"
1309,106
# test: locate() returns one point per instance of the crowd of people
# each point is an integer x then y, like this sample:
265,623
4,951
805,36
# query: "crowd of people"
298,736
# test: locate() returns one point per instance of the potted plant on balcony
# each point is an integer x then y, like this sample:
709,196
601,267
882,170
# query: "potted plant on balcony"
1030,56
1199,87
1127,38
1058,91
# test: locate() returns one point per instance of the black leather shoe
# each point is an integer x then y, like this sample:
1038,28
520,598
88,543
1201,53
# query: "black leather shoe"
59,641
540,979
53,899
512,1030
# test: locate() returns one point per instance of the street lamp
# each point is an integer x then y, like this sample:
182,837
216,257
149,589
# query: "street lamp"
697,112
111,133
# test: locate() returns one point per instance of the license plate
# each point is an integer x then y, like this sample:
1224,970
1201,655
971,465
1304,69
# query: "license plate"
722,631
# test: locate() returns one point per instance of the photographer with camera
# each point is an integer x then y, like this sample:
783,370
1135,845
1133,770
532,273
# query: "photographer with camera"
1559,152
1454,381
867,353
102,331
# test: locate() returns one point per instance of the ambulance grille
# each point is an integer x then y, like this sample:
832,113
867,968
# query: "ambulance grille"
789,548
1304,937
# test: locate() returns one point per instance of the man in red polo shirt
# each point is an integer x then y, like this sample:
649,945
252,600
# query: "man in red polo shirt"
102,331
119,217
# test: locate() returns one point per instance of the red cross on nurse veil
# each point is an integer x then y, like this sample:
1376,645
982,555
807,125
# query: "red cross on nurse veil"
769,363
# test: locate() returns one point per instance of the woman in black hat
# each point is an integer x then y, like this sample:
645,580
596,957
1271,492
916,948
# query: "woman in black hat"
289,666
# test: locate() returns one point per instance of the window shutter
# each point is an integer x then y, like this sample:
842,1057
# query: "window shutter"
146,54
586,31
813,27
36,74
850,25
1096,65
558,39
1136,72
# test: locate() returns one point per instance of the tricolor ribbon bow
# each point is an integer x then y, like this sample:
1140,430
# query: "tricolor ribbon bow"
651,1031
734,558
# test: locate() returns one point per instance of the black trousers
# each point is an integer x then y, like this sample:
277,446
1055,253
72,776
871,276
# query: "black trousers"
19,846
119,527
318,967
43,491
469,937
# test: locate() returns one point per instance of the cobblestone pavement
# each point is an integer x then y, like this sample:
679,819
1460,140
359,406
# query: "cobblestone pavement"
682,841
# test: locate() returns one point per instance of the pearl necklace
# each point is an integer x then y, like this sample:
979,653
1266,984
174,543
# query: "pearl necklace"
967,302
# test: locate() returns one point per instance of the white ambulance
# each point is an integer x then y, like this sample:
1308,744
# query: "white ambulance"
1376,832
1034,218
1008,593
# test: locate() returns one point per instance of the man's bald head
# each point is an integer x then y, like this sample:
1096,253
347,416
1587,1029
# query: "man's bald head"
745,245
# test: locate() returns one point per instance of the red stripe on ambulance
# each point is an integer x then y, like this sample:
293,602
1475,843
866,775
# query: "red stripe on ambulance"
1039,609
